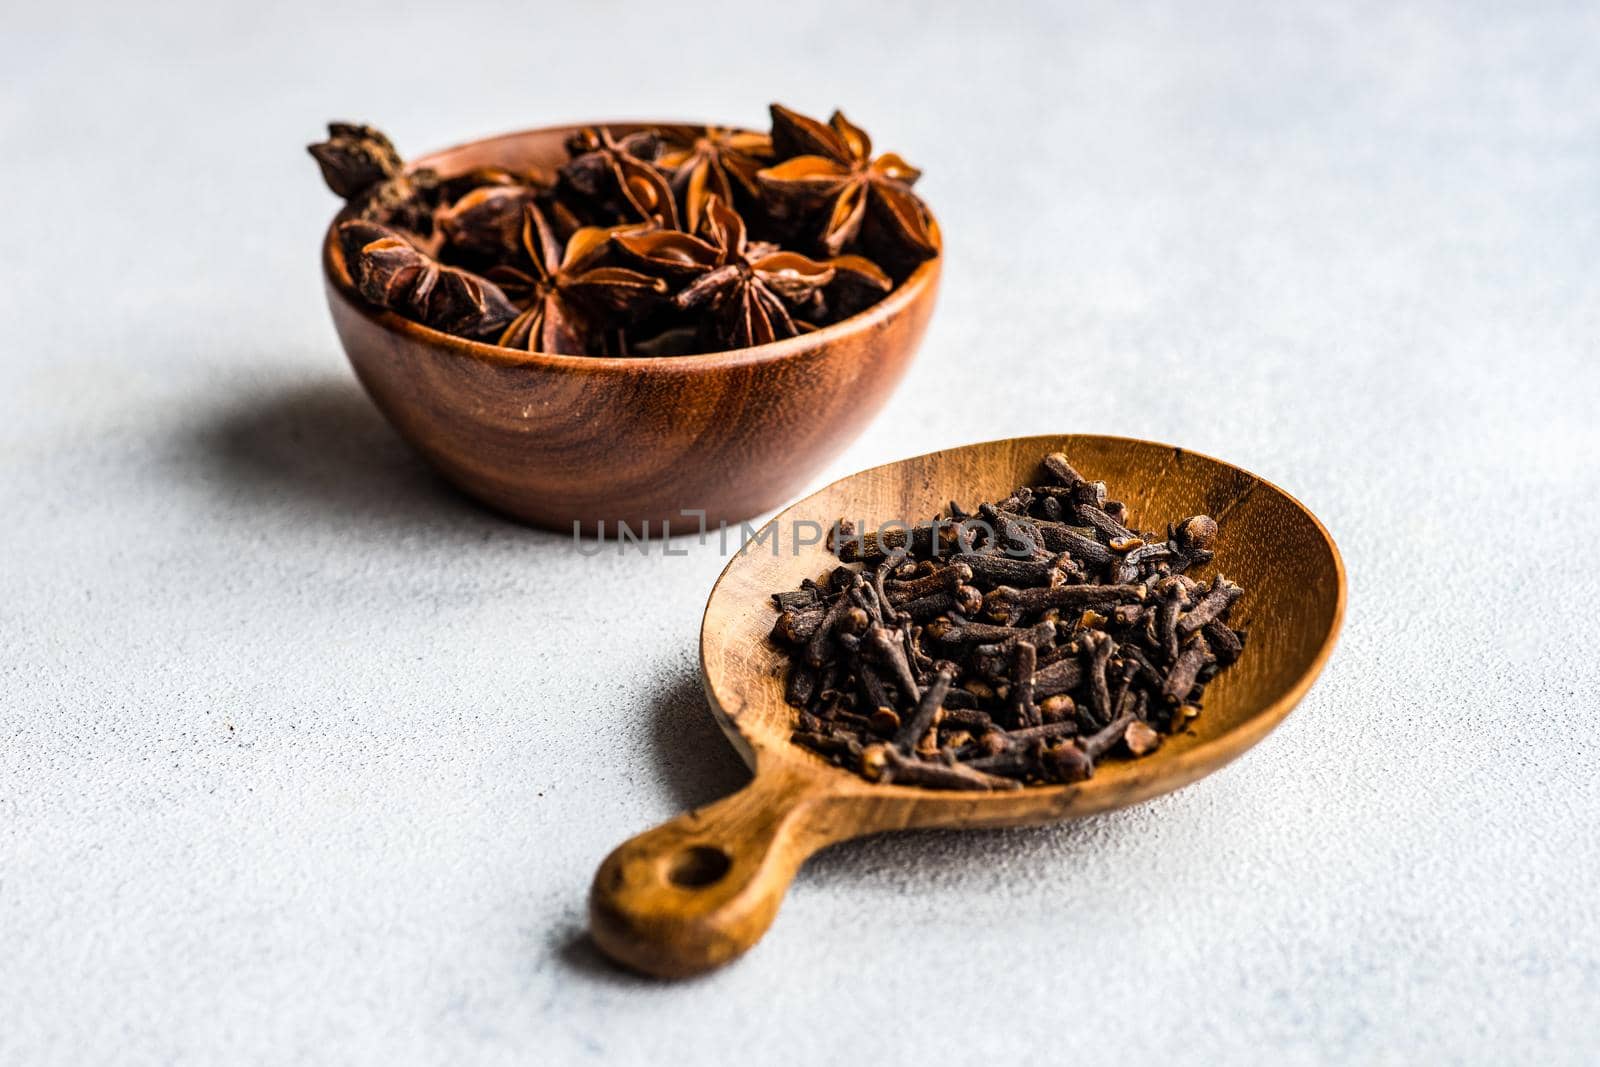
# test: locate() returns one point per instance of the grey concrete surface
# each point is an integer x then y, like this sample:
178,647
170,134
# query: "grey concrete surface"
303,758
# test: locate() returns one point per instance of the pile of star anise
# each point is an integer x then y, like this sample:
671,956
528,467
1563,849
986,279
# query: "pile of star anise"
655,242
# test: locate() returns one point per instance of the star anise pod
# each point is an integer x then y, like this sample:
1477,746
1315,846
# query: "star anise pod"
714,162
829,170
458,185
394,273
564,291
751,288
486,223
482,222
360,164
406,201
617,173
858,283
354,158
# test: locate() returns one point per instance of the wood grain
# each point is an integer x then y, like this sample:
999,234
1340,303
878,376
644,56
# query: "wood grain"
555,439
1268,542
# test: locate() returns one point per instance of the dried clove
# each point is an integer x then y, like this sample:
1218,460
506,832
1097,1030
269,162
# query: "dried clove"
928,706
1049,663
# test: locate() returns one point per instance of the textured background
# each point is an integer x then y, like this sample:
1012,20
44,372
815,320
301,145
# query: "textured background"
302,757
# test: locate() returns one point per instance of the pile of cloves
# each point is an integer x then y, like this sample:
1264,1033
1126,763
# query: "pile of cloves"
1018,644
644,242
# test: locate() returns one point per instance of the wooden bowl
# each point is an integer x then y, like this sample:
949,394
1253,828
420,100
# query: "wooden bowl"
554,440
696,892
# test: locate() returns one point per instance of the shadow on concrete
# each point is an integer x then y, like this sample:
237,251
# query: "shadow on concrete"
321,449
697,762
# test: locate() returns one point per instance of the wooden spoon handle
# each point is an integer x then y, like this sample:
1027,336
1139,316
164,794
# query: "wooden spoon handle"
696,892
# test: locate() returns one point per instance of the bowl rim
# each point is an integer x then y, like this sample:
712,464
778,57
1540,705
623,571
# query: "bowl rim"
337,276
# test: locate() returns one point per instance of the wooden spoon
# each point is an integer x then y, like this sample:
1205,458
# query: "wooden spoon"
694,893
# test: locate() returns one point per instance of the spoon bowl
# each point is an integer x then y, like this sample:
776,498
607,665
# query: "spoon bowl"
696,892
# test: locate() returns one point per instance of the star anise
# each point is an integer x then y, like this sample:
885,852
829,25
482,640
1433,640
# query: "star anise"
616,172
563,291
751,288
539,258
714,162
486,223
392,272
829,170
354,158
360,164
858,283
458,185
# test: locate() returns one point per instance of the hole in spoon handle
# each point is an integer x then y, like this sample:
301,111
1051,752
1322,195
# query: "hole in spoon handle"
698,891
